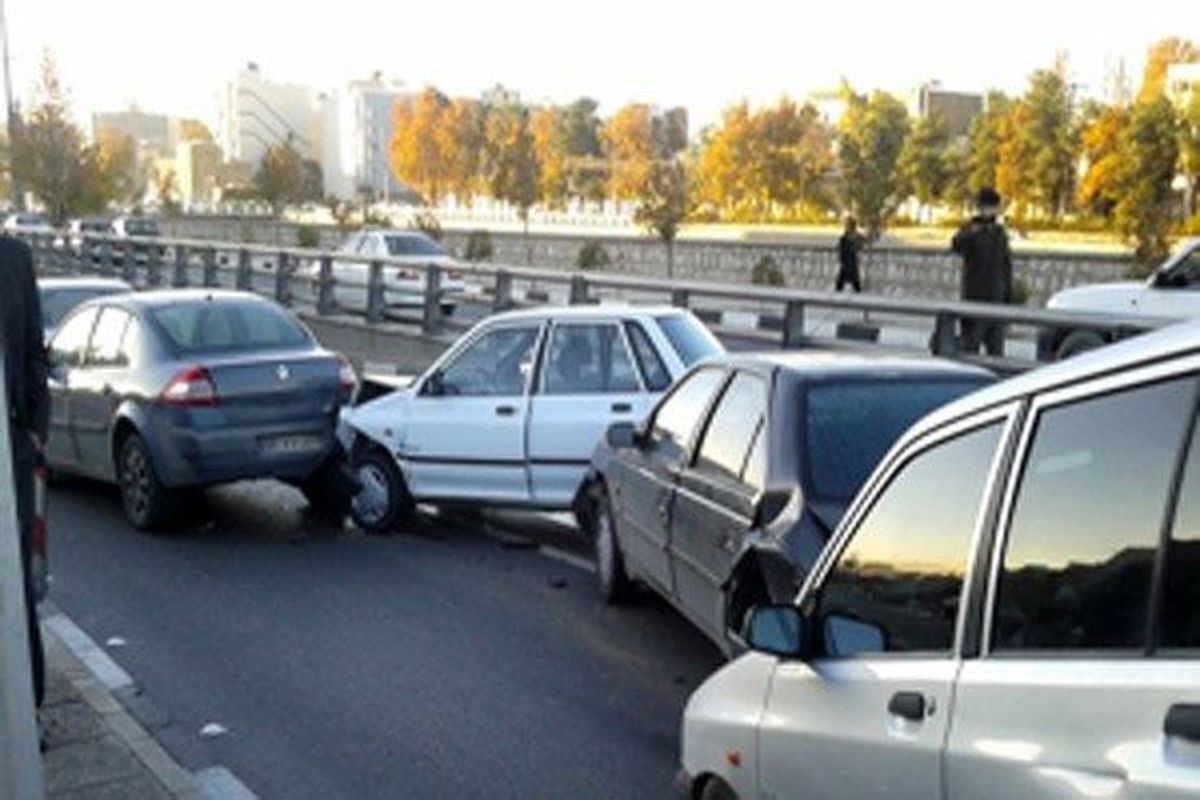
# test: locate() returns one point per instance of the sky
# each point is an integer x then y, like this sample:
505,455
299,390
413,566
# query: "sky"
172,57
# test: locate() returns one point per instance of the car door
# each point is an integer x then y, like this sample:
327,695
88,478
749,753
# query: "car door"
97,388
1088,684
464,437
642,479
715,501
588,381
350,277
67,352
867,715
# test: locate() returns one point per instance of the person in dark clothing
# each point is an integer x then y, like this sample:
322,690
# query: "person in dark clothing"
850,243
987,271
25,377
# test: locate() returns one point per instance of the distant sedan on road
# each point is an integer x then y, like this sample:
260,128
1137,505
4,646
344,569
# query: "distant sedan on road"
172,390
725,496
60,296
510,415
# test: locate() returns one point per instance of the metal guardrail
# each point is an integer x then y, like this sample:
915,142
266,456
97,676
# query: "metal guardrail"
274,272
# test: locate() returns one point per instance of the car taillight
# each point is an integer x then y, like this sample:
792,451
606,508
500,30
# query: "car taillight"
191,388
454,275
406,274
347,379
38,563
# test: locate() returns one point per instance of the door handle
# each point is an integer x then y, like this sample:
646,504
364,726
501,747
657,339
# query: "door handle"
909,705
1183,722
505,411
622,408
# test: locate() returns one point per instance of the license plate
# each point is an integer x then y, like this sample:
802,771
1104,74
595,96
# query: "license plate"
285,445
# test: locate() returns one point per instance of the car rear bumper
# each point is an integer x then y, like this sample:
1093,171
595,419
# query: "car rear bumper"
191,457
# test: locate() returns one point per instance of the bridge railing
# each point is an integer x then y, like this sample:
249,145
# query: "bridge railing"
323,283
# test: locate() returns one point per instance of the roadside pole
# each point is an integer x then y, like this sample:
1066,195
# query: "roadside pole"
20,756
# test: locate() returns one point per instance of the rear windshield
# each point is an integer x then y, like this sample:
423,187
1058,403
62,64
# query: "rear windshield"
851,426
209,326
56,303
691,340
412,246
141,227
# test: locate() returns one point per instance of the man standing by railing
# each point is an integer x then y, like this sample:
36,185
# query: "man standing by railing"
25,377
987,271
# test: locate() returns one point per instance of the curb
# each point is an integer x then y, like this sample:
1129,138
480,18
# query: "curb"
96,676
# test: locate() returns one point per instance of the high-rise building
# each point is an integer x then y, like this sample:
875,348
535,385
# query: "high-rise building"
257,114
355,133
956,109
197,172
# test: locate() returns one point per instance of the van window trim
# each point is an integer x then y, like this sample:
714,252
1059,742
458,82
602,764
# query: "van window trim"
1052,398
1008,417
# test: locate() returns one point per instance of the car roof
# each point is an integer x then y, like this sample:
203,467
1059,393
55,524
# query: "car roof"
816,365
160,298
1171,342
585,312
409,232
50,284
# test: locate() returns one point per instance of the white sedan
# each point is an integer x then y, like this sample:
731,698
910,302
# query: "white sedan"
403,282
510,415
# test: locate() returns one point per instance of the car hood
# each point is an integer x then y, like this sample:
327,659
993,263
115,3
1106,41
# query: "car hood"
381,419
1099,297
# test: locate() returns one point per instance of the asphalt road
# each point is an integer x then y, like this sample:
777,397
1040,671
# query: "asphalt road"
456,660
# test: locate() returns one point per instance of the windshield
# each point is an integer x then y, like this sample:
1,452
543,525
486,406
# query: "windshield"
412,246
691,340
206,326
57,303
31,220
851,426
141,227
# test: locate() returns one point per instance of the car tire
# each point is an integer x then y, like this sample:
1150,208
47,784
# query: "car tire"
147,502
614,582
1078,342
717,789
382,500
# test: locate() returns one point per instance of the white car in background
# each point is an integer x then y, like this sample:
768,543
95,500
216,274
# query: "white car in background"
403,282
1172,292
26,223
510,415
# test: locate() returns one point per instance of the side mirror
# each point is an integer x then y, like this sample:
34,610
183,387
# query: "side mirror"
778,631
622,435
846,637
435,386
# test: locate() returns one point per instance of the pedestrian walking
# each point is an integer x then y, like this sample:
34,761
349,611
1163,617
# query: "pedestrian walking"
849,245
987,274
28,411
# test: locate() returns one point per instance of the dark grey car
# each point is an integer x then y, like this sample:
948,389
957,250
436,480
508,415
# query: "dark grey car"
164,391
725,496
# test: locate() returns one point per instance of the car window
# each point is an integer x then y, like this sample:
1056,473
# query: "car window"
754,474
105,348
679,415
498,363
1180,617
691,340
654,372
208,326
731,429
1079,557
850,426
897,585
131,342
57,303
588,359
1188,269
71,341
398,245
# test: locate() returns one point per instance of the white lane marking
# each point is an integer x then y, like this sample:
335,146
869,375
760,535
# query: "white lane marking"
107,671
213,730
115,641
568,558
218,783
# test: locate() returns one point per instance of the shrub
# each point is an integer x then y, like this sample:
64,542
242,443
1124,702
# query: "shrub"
308,236
479,246
766,273
1020,292
592,256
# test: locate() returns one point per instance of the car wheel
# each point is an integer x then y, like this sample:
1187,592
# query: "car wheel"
717,789
615,585
1079,342
382,499
147,502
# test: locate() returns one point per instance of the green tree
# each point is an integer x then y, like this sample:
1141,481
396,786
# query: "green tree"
1149,146
1014,159
1162,54
282,176
511,161
871,136
665,203
1048,131
923,161
1189,150
986,136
